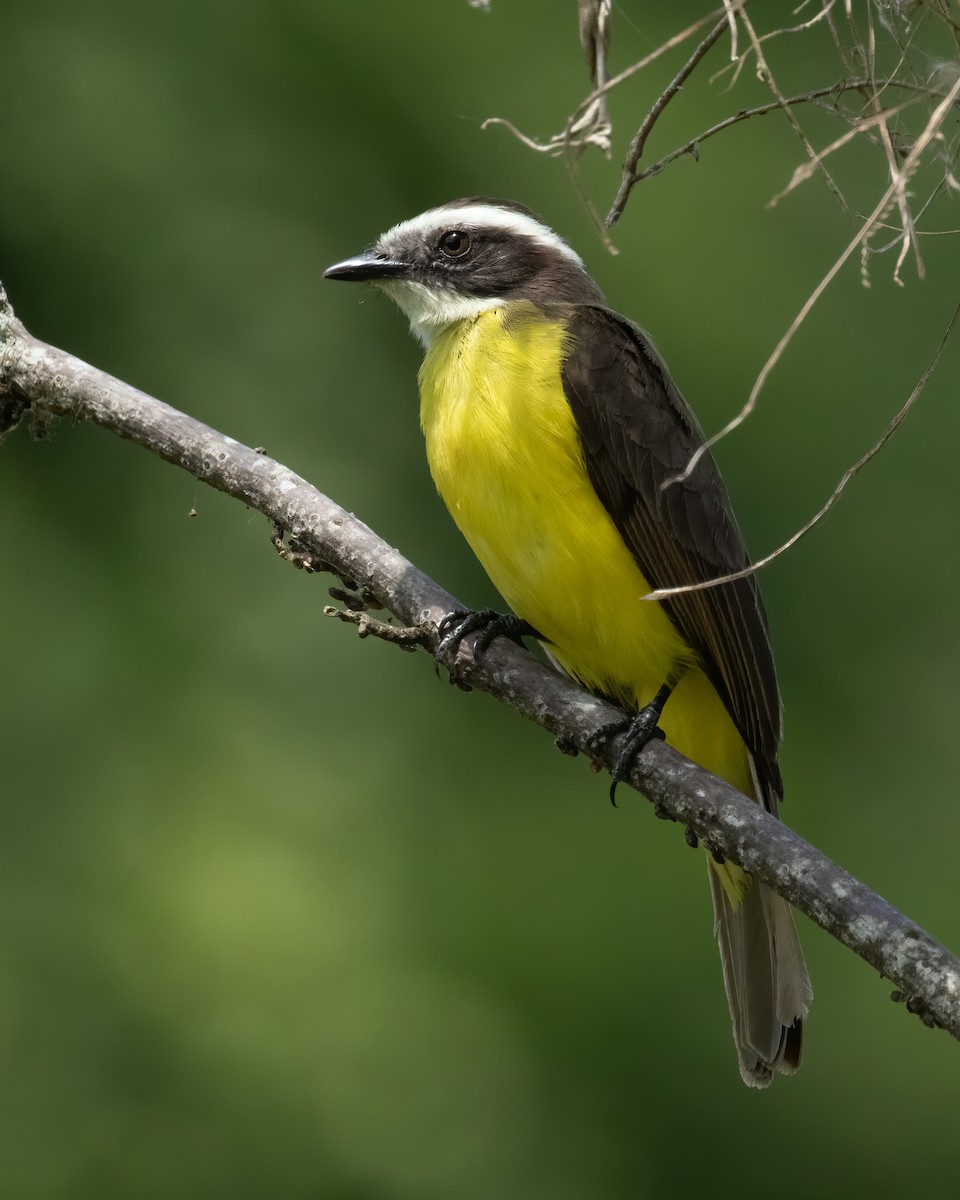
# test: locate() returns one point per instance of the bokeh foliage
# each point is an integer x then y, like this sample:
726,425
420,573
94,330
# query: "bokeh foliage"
282,914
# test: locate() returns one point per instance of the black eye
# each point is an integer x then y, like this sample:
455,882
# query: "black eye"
455,243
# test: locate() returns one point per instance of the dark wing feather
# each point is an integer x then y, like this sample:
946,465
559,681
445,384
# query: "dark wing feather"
637,432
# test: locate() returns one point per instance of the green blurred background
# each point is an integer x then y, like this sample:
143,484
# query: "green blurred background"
283,915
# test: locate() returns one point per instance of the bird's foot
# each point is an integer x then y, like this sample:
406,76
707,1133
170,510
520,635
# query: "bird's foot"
635,733
457,625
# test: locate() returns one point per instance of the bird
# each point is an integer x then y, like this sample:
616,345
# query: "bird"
562,449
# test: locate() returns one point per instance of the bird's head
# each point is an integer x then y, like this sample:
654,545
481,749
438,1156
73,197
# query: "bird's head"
466,257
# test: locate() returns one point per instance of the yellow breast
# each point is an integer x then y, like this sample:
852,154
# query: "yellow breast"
505,455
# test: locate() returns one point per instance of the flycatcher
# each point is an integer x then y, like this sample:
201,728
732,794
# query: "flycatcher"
552,429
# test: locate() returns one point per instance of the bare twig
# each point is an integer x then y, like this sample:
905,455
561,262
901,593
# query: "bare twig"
692,147
407,637
898,179
593,127
765,73
589,123
870,88
730,16
566,142
739,60
860,126
629,174
931,130
50,380
666,592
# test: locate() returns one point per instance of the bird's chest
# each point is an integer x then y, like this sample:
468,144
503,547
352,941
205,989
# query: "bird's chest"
501,441
506,456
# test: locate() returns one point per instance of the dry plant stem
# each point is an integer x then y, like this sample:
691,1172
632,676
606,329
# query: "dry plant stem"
862,127
764,71
870,223
407,637
628,178
677,40
594,21
666,592
731,8
745,114
897,180
55,382
567,142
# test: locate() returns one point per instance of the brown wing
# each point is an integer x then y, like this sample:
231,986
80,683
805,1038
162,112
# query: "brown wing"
637,432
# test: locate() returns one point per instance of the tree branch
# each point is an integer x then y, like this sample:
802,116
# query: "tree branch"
46,380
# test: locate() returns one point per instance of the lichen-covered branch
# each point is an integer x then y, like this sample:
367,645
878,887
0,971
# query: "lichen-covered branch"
44,380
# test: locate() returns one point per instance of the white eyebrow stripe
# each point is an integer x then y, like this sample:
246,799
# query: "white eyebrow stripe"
483,216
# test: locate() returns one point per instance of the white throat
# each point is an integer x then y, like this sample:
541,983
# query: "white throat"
430,310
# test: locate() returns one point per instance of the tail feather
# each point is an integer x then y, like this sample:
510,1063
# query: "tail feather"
765,977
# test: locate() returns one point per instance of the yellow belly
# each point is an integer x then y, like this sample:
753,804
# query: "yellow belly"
505,455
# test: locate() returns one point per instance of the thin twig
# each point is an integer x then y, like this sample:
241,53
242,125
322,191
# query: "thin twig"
666,592
745,114
897,178
930,131
628,174
862,124
641,64
738,60
566,142
730,15
764,71
407,637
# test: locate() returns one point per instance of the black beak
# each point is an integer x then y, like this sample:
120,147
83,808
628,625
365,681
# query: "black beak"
367,266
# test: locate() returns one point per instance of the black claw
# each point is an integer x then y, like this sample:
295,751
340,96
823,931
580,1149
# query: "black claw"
637,732
503,625
457,625
452,631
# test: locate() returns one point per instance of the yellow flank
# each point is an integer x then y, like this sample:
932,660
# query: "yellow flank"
505,455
